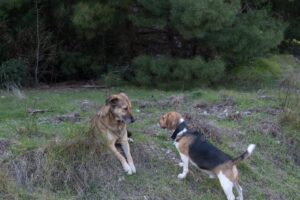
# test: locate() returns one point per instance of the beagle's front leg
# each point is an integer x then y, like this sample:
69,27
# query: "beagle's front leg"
185,165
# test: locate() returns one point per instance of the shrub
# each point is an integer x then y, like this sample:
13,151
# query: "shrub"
91,18
113,77
252,35
162,71
261,72
12,72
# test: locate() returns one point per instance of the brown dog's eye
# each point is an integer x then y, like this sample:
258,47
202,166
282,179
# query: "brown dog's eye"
126,109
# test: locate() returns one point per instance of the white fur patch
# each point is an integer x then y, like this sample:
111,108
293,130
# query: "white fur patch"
182,132
176,144
181,120
227,186
185,163
110,136
250,148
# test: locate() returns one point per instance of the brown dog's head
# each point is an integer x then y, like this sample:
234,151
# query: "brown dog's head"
120,107
170,120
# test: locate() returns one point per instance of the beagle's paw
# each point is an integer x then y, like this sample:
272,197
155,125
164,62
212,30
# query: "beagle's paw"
181,176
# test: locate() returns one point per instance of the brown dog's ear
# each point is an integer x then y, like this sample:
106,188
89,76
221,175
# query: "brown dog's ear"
126,97
112,100
103,111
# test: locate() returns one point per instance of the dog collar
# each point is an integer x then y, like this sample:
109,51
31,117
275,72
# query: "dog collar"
178,129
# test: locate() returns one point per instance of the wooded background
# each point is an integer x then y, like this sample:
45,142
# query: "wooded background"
144,42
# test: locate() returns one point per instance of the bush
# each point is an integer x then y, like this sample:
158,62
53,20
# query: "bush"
193,18
162,71
113,77
252,35
261,72
12,72
90,18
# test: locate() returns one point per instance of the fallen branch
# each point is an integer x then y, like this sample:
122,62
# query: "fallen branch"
32,111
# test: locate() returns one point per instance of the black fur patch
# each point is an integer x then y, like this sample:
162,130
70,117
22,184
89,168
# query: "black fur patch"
205,155
179,128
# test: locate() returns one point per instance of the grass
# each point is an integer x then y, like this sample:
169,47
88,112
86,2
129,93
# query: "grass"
61,161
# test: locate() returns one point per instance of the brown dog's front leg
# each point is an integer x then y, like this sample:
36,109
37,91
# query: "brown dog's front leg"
123,161
126,148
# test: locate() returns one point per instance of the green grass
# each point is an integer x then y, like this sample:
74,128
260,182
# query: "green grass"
270,173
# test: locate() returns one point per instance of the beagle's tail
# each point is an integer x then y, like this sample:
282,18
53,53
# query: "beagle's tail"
245,155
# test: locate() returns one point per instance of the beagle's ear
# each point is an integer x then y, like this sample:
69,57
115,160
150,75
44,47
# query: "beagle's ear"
171,121
112,100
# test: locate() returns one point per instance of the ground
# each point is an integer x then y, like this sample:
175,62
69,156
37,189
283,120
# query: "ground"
47,152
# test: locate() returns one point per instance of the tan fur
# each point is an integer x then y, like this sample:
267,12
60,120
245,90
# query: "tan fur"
169,120
108,122
183,145
229,170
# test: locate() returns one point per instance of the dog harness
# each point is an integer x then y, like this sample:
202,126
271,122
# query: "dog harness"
178,129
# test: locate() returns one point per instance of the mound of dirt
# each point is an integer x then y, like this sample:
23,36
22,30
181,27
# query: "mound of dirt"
70,117
208,129
78,164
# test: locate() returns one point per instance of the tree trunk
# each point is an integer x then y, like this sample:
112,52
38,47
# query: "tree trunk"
37,43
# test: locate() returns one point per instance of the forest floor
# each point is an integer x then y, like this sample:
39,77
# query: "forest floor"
47,151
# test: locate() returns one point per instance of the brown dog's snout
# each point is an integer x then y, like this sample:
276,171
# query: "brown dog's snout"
132,119
128,119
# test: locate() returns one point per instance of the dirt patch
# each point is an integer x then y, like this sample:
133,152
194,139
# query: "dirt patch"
225,109
4,153
269,111
208,129
174,100
87,106
70,117
270,128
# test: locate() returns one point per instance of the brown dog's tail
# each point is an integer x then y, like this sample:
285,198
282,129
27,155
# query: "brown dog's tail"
245,155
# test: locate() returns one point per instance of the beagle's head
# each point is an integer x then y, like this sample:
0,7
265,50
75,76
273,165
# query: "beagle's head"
170,120
120,106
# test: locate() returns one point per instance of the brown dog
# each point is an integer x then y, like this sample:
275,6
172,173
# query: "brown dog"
111,121
194,149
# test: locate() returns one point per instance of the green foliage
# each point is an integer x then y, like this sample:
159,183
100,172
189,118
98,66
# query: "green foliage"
12,72
91,17
75,64
193,19
76,38
113,77
261,72
253,34
155,13
151,71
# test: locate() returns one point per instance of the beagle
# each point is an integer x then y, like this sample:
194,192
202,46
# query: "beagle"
194,149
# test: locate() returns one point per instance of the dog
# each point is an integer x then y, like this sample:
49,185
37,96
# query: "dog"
111,121
195,149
